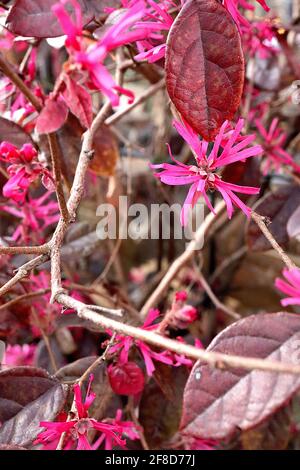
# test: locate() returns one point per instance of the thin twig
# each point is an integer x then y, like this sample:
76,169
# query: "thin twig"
143,97
22,272
24,250
214,298
181,261
214,359
28,296
261,222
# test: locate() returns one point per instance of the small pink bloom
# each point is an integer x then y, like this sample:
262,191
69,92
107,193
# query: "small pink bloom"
291,287
77,429
19,355
273,141
91,58
124,343
181,296
233,8
35,216
229,147
259,39
23,169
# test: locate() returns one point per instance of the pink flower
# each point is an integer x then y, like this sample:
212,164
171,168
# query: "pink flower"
259,38
91,58
35,214
233,8
19,355
23,169
77,429
126,428
291,287
124,343
161,20
228,148
272,142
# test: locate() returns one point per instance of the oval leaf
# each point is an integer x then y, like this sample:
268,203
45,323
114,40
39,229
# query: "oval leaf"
34,18
79,101
24,427
218,402
205,66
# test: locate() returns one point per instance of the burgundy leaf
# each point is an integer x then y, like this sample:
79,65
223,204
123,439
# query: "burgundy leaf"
52,116
24,427
161,404
13,133
293,225
219,402
20,386
126,379
205,66
34,18
79,101
278,206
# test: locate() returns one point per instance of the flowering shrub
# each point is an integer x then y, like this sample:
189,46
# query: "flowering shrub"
135,331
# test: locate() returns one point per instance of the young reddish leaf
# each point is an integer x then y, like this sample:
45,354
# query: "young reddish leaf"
52,116
34,18
13,133
218,402
279,207
79,101
106,153
126,379
205,66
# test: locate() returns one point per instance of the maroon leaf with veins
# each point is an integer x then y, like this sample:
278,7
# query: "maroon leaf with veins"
205,66
219,402
35,17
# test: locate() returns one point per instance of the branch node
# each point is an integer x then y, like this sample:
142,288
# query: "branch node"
90,154
56,293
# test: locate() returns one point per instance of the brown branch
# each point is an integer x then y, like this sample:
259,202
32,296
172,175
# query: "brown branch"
56,157
8,70
20,298
214,359
24,250
143,97
22,272
214,298
181,261
261,222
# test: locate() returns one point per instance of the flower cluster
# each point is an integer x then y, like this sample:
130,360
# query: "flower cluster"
76,430
229,147
23,169
90,58
273,141
19,355
233,7
123,345
35,216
